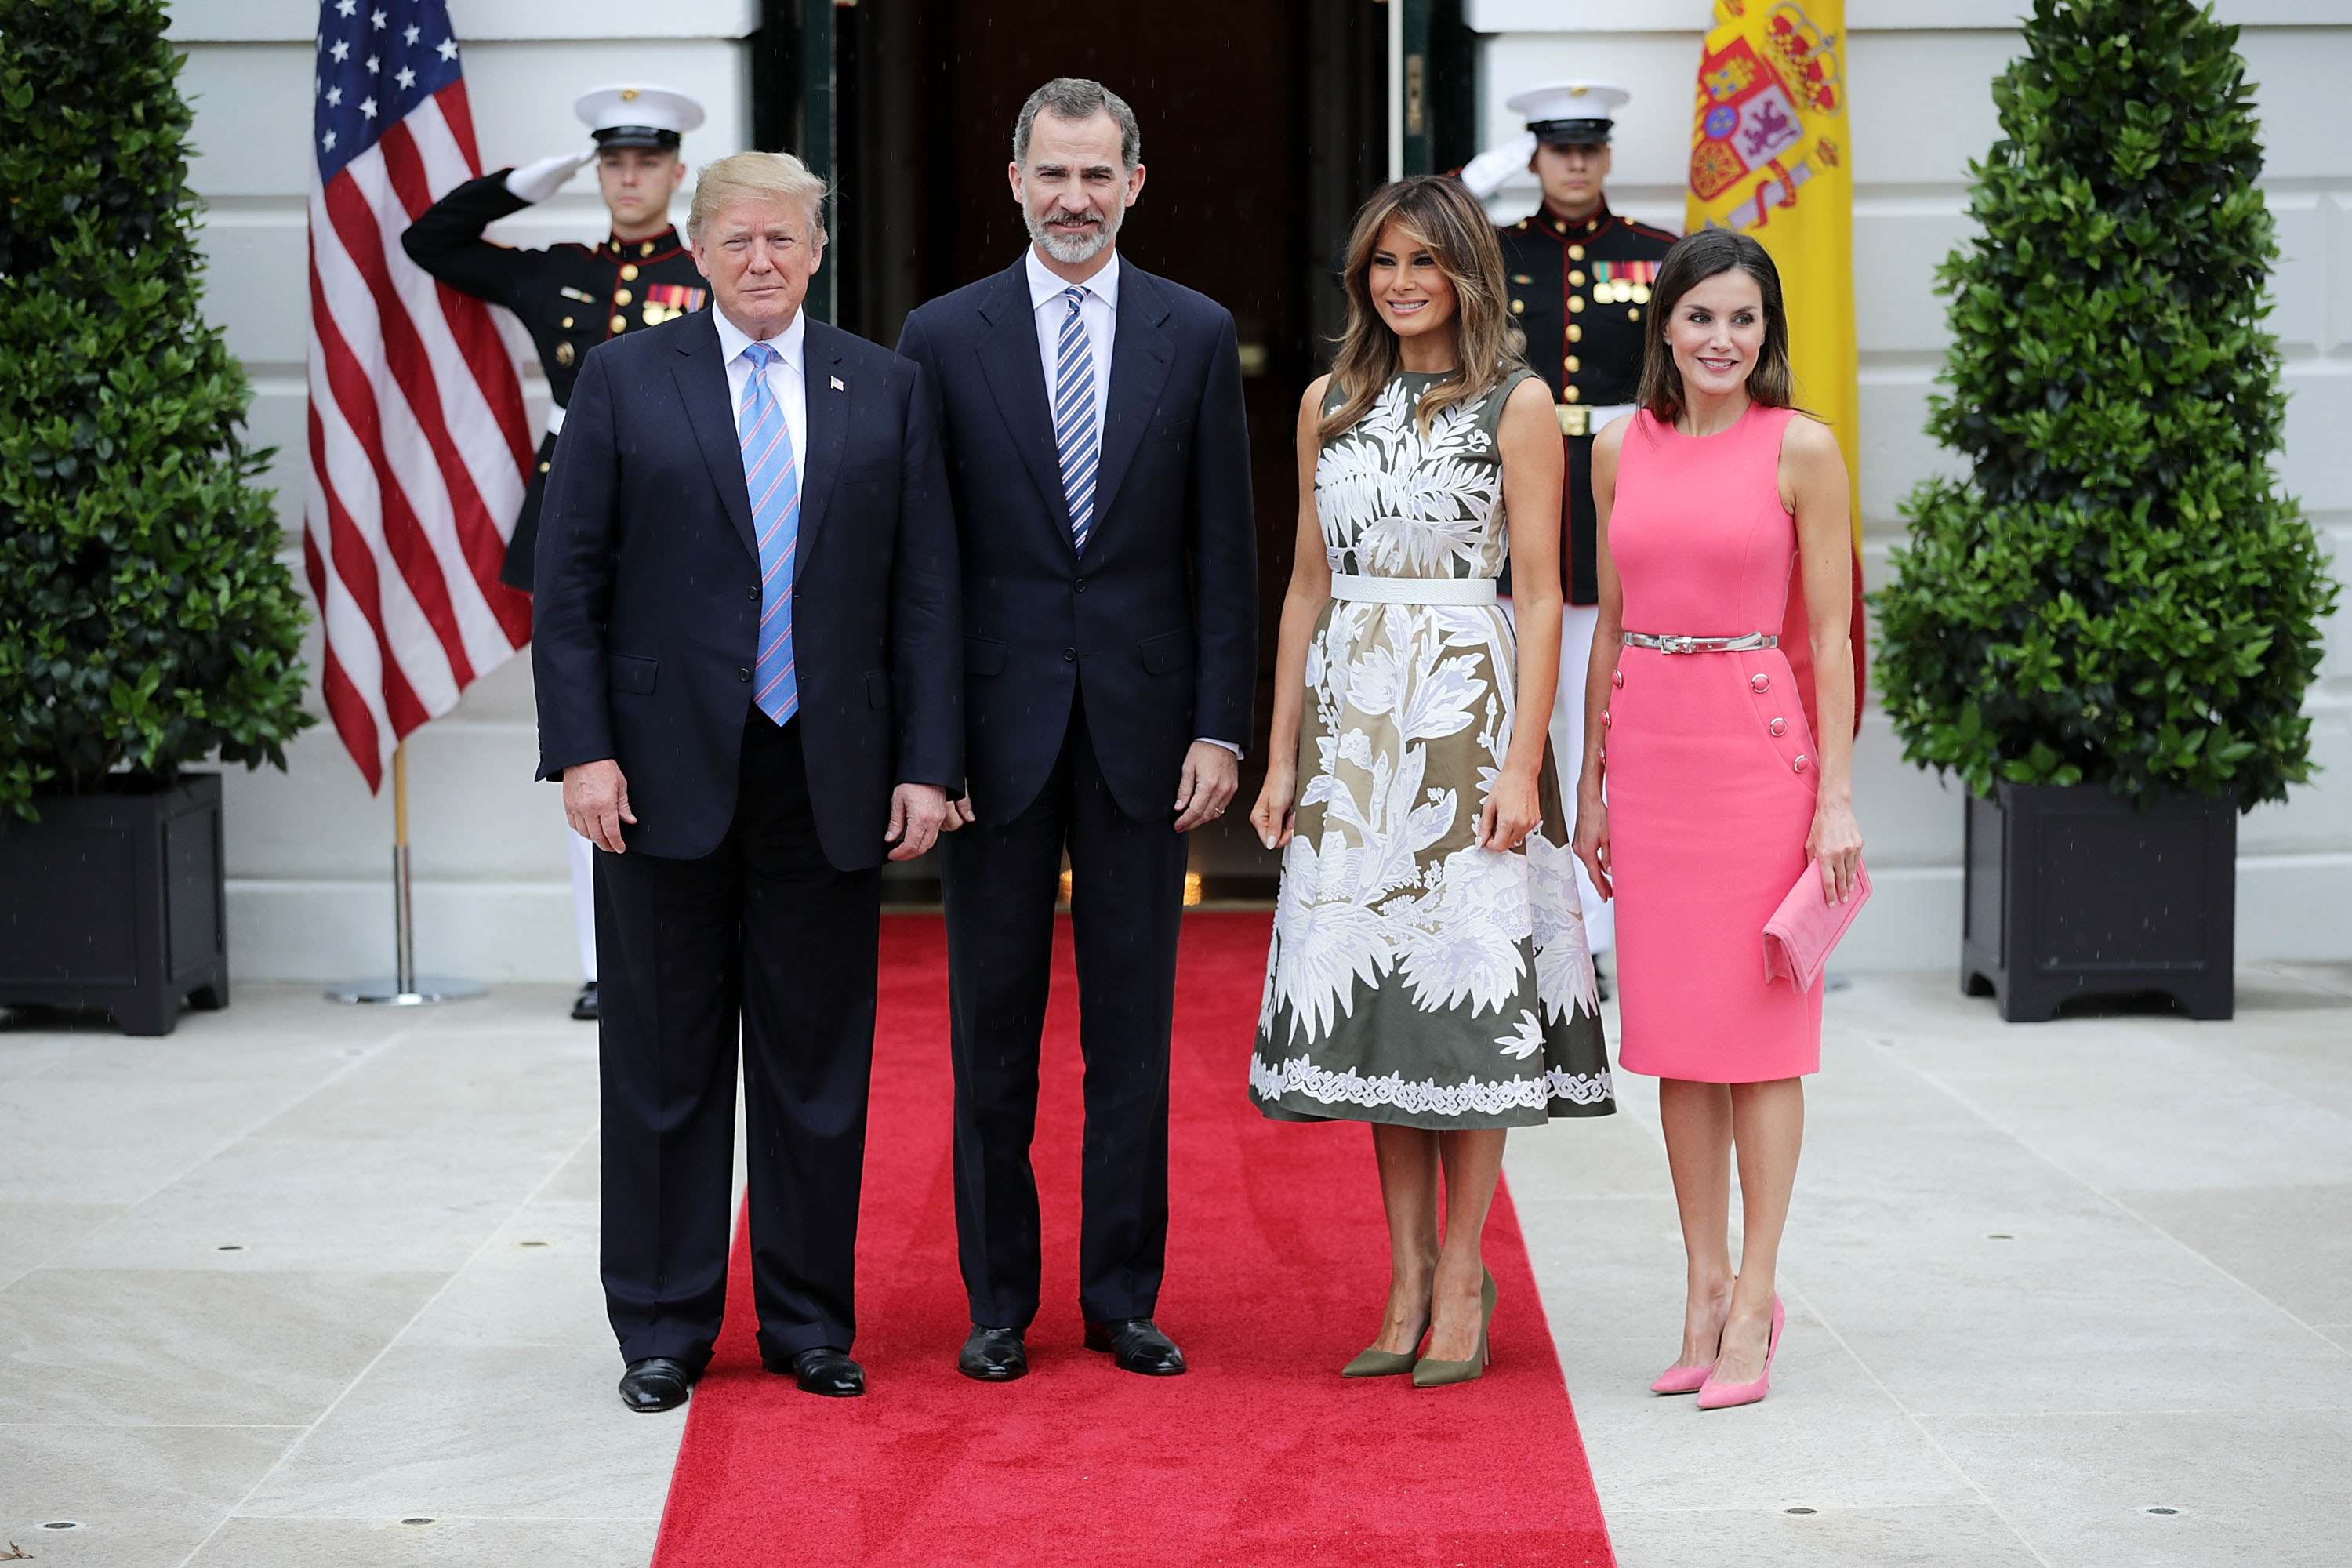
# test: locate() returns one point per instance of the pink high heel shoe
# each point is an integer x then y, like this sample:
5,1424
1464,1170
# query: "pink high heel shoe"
1682,1379
1714,1395
1689,1379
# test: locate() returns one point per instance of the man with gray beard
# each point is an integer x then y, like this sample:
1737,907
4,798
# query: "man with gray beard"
1099,465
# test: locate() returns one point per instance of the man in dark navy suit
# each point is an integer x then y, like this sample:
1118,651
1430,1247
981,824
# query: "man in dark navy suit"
748,661
1093,422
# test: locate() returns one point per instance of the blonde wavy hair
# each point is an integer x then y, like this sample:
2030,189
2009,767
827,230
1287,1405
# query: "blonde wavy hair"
1439,212
777,177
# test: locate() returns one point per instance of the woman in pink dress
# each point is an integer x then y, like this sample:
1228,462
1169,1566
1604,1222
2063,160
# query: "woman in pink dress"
1714,500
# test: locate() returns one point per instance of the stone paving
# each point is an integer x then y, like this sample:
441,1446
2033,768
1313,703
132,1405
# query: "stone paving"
316,1286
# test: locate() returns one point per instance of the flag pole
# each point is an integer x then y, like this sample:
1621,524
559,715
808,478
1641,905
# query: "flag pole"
403,989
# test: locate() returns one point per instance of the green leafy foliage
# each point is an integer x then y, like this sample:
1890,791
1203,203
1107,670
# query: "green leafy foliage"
145,620
2118,593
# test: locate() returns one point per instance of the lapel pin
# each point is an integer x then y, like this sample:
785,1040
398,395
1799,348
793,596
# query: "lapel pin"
836,384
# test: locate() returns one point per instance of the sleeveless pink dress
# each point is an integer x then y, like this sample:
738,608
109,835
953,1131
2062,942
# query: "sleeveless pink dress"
1709,762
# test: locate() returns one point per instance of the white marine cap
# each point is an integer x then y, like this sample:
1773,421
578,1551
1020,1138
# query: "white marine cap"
633,114
1576,112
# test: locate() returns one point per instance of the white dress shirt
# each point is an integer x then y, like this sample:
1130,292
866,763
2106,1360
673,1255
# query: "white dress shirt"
787,379
1097,313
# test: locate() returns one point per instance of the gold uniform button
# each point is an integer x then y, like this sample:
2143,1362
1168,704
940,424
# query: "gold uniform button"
1570,395
1576,301
567,320
1574,365
543,468
1563,228
1576,253
628,272
646,248
1634,312
1575,333
620,323
1518,306
622,296
1576,280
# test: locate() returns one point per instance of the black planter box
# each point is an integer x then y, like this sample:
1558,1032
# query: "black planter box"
2076,892
116,902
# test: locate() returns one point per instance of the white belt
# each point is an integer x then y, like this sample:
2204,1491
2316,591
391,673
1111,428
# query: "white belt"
1414,589
1583,420
556,420
1744,643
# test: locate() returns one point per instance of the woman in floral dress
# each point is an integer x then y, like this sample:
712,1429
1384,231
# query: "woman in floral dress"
1428,971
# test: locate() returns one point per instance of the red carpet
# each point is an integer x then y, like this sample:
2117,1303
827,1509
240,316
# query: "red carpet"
1261,1455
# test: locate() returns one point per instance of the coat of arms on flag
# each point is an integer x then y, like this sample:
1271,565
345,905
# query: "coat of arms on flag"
1766,95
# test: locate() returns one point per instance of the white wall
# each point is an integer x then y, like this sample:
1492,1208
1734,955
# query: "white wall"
310,850
1918,72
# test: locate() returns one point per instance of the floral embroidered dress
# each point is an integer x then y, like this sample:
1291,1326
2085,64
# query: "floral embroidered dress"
1415,978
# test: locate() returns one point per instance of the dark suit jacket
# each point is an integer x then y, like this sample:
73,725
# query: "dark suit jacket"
646,619
1157,623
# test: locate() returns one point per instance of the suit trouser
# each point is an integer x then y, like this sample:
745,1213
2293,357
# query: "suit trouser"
764,938
1127,896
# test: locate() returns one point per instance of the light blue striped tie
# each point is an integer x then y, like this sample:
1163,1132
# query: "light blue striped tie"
1074,421
776,523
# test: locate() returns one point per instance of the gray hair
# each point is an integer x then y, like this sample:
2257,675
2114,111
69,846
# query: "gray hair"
777,177
1076,98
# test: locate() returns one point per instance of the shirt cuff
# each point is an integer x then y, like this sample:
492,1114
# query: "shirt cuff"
1213,740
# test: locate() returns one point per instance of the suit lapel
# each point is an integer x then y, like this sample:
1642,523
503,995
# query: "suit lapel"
701,374
1016,374
1140,356
828,431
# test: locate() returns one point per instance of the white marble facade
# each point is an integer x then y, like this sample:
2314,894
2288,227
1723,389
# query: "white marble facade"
310,893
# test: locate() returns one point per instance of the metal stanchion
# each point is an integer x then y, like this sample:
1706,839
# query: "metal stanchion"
405,989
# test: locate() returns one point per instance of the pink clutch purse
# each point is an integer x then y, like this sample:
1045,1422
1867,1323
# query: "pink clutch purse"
1802,931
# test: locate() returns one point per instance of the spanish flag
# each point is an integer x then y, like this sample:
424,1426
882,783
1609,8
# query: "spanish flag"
1770,158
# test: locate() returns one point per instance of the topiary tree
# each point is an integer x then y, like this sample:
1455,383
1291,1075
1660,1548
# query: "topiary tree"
145,619
2118,593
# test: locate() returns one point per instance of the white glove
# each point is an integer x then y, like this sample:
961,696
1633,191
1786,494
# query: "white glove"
537,181
1485,173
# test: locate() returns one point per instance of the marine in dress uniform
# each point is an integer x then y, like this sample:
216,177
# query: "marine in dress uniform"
1580,278
571,297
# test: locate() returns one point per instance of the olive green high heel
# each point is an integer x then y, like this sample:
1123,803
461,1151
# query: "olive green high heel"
1431,1373
1377,1363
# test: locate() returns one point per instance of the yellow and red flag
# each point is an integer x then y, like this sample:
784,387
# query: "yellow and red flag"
1771,159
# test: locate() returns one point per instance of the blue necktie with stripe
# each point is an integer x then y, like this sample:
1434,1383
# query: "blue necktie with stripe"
776,523
1074,420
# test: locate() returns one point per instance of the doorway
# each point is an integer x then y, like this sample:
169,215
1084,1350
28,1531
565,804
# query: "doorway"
1264,127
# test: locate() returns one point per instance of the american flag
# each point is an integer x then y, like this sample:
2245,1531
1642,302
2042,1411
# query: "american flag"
419,450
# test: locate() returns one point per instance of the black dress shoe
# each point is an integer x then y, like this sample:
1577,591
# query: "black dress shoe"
583,1007
824,1370
994,1355
1136,1345
657,1383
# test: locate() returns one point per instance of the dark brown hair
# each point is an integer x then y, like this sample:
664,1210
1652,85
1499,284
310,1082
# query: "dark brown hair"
1694,259
1440,212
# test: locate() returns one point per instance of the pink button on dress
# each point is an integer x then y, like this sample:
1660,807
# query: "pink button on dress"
1709,759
